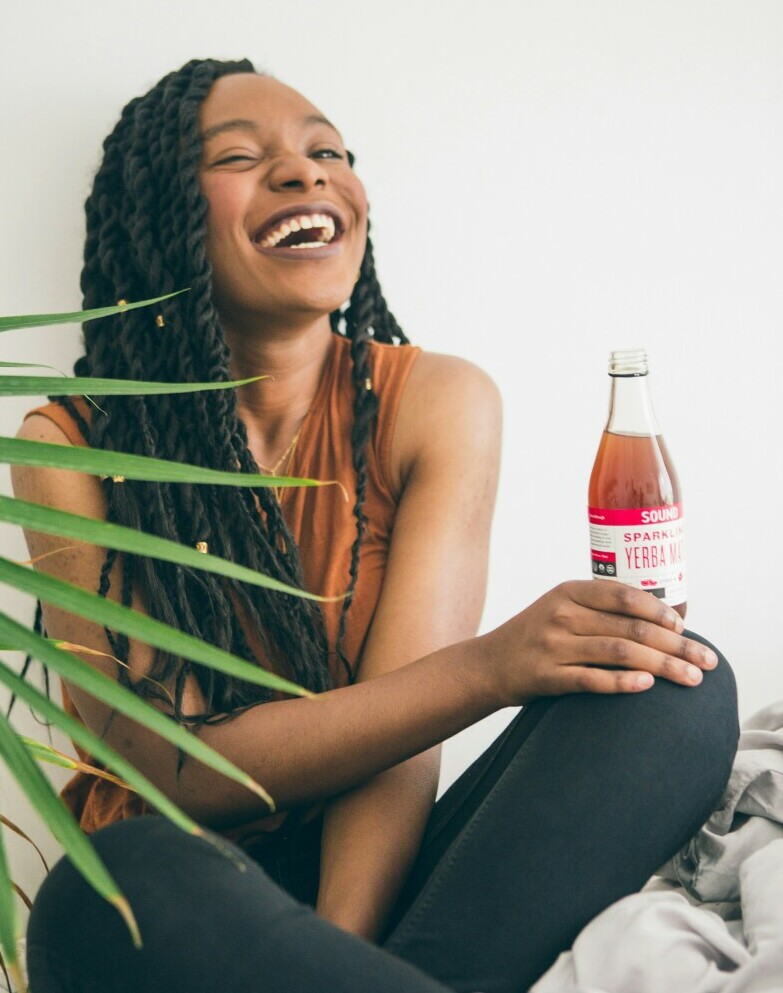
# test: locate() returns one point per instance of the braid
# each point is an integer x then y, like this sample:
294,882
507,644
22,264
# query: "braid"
28,659
367,318
385,327
146,227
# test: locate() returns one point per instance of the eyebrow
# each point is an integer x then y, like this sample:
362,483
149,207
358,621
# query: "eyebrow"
243,124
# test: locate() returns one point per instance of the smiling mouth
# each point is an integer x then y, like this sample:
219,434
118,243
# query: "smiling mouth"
300,230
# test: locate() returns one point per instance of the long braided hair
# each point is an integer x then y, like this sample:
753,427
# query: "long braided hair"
146,225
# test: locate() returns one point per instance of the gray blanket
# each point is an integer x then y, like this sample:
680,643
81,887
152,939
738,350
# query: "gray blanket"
711,920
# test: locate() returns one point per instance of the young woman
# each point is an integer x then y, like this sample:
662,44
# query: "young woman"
234,185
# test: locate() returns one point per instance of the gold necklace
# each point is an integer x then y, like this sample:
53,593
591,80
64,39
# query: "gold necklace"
286,457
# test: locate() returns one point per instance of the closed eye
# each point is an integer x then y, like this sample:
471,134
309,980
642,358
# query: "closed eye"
233,158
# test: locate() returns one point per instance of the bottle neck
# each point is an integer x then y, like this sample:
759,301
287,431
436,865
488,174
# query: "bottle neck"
630,407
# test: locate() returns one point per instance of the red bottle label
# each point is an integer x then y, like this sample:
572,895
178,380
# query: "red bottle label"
641,546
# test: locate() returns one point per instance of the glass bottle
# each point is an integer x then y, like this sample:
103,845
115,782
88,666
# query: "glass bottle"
634,502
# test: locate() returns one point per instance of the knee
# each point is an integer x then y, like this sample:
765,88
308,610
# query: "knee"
134,852
168,877
714,703
699,726
71,926
683,735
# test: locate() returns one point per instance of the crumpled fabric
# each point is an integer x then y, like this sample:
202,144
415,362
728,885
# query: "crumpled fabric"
750,815
711,920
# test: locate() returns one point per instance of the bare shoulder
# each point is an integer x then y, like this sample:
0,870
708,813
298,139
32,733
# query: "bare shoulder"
36,427
61,488
447,379
449,406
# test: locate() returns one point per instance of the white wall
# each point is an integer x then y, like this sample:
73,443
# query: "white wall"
549,179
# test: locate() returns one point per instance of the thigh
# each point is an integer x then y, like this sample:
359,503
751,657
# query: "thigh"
463,798
207,923
579,803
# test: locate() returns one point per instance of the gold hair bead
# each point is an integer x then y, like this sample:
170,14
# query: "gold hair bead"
159,321
202,546
368,384
115,479
122,303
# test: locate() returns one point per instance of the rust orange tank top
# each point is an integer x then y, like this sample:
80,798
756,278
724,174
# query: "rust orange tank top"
324,527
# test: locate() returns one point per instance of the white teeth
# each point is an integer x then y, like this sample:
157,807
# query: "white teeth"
302,222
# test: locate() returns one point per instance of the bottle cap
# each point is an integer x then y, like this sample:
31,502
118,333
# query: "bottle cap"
628,362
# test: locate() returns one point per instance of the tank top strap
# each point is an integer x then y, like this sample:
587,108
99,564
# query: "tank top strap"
64,420
391,365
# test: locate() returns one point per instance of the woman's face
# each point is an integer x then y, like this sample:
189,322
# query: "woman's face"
276,175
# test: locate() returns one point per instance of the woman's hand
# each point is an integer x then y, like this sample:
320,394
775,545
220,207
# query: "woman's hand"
592,636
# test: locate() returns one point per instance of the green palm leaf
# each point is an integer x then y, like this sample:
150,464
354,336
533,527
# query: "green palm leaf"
17,451
33,386
76,316
98,748
29,365
130,622
17,754
9,917
62,825
38,750
36,517
113,693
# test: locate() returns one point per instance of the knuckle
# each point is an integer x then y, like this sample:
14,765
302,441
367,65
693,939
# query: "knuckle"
618,650
625,597
585,681
670,667
638,630
689,649
566,589
604,649
561,614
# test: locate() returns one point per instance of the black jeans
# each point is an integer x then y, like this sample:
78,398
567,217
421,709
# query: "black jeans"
576,804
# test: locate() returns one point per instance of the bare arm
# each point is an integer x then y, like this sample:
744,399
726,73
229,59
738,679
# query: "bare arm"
445,457
303,750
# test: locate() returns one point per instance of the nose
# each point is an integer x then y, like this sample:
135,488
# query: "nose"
296,172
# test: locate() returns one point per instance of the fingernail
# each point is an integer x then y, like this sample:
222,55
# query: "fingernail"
710,659
693,674
644,681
